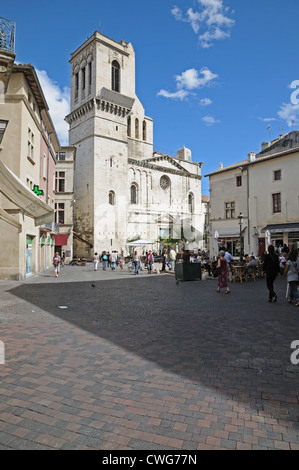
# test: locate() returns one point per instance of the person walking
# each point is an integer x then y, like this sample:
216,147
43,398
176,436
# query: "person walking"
95,261
104,260
222,265
136,262
271,269
122,261
172,257
229,259
113,260
56,263
291,270
164,259
149,262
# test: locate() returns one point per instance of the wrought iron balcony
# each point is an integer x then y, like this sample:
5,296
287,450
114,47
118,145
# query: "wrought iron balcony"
7,35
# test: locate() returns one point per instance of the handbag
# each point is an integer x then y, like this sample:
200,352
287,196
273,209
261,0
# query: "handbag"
216,272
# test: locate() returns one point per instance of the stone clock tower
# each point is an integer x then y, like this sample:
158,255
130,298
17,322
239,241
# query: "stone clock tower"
108,126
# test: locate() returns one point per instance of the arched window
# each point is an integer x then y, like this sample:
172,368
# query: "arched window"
129,127
144,130
115,76
191,203
133,196
136,128
112,198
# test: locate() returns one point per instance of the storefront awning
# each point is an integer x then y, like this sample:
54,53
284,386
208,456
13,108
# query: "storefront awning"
282,228
229,232
17,192
61,239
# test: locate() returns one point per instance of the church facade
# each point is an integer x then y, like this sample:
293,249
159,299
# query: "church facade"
122,188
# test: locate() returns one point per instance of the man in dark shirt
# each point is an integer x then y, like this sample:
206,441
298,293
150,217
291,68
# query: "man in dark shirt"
271,268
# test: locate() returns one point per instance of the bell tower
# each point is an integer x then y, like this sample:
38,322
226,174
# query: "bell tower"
103,106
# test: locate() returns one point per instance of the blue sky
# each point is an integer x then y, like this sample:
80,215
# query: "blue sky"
212,74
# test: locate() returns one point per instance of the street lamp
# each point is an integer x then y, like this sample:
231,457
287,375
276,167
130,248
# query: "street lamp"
240,217
3,126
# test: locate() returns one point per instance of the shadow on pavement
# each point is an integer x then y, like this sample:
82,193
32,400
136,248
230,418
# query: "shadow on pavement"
235,345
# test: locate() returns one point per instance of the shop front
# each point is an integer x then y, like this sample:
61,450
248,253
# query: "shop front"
284,234
230,239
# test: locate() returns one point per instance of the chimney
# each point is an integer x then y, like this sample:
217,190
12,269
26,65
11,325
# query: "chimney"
221,166
251,157
265,145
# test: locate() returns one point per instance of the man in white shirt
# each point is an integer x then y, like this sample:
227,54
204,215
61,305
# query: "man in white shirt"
113,259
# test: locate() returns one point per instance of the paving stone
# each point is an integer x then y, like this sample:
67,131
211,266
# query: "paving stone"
189,370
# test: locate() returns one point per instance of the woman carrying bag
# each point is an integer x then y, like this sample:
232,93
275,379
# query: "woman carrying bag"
291,271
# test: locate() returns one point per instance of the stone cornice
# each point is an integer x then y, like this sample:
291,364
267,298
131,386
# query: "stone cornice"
81,111
100,104
111,108
147,164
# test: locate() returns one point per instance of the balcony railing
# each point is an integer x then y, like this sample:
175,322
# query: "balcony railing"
7,35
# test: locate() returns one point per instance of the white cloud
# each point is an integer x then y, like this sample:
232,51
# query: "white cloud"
290,113
267,119
180,94
205,102
59,104
209,120
211,19
189,81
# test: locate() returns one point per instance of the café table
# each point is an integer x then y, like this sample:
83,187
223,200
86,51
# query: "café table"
239,272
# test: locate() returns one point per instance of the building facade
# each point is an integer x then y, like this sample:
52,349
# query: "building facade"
123,189
27,159
64,201
264,190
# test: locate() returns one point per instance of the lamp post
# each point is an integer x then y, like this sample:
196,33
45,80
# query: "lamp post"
240,217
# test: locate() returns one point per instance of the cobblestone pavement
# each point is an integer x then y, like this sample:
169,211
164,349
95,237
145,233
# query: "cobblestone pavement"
109,360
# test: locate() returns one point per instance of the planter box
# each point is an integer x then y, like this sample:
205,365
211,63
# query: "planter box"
187,272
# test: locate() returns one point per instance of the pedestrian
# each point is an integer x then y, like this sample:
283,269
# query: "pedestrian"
122,261
136,262
229,260
96,261
168,263
291,270
222,265
104,260
113,260
172,258
163,259
271,269
56,263
149,262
